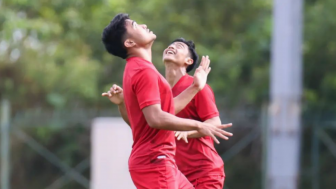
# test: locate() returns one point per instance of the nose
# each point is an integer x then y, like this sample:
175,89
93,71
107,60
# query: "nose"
171,47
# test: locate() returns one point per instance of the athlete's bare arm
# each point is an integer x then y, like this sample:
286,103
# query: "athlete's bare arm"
116,96
184,135
214,121
200,78
123,113
158,119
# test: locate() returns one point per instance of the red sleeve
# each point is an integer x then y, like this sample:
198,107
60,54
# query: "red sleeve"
205,104
146,88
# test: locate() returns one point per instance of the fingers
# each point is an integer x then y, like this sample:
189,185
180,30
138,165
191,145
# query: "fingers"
108,94
208,70
226,133
220,135
181,135
218,132
223,134
185,138
214,138
224,126
205,62
116,88
208,61
202,62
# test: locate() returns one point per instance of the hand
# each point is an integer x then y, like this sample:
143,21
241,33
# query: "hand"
115,95
182,135
213,131
201,73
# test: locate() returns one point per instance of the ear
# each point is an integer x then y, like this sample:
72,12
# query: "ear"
129,43
189,61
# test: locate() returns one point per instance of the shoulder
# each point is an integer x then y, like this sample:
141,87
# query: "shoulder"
147,74
189,79
137,66
207,87
186,80
206,91
183,83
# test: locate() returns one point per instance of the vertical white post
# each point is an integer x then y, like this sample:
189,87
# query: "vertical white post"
111,143
286,87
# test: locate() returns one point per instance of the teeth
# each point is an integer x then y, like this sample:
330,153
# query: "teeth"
170,52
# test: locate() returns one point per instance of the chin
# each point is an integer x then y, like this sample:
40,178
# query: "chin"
150,41
154,36
168,59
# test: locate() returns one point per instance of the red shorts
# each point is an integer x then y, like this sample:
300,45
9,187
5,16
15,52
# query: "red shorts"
165,177
210,182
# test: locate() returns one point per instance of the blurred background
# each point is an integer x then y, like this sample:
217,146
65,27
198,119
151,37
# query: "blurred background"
53,69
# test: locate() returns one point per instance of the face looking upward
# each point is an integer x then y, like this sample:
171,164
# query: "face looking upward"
178,53
138,35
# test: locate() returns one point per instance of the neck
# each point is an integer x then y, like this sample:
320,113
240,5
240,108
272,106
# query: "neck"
174,73
142,52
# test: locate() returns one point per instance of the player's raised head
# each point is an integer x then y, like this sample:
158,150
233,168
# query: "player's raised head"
182,52
114,36
123,35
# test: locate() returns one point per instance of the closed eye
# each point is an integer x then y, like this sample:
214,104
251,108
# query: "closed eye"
179,45
134,24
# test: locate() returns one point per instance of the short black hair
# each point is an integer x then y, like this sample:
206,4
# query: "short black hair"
192,51
113,36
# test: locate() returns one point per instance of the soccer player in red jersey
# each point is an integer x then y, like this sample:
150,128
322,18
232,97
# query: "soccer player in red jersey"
197,158
149,105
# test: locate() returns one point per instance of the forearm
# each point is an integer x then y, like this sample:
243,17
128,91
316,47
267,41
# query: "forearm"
195,134
181,101
123,113
168,121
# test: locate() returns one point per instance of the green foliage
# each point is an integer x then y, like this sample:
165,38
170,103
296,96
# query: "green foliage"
320,56
52,53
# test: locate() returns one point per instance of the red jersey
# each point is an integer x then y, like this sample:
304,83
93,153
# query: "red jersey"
198,157
144,86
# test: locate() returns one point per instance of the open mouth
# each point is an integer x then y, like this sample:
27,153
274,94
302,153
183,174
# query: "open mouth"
170,52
